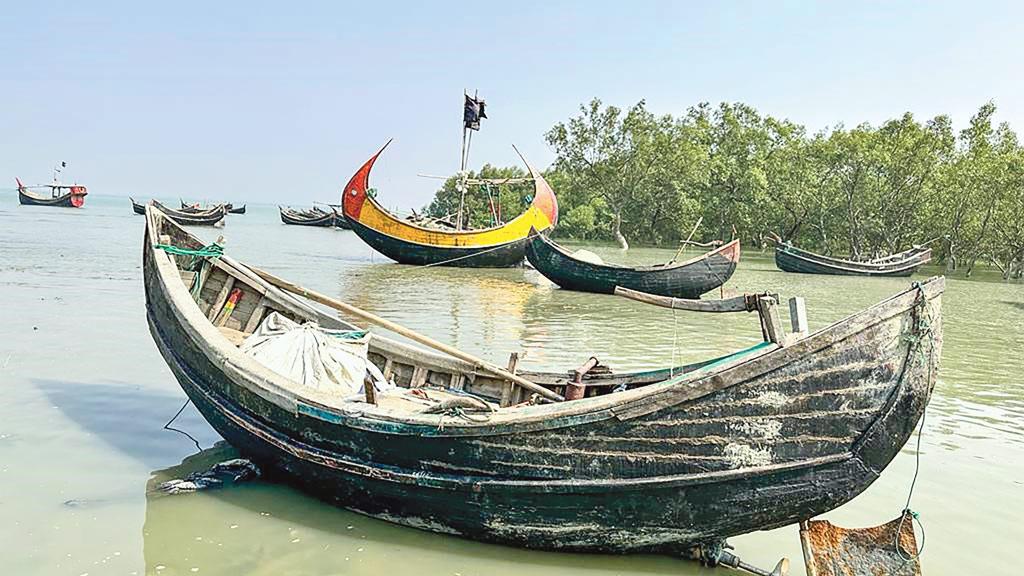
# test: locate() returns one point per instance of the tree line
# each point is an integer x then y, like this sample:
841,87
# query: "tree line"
861,192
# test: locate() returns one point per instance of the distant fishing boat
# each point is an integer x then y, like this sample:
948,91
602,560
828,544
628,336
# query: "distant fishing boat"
61,195
204,218
789,258
687,279
196,207
663,461
408,242
501,246
312,217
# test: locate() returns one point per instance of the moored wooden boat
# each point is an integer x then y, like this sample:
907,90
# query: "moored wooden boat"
313,217
195,207
789,258
767,436
687,279
207,218
407,243
137,208
64,196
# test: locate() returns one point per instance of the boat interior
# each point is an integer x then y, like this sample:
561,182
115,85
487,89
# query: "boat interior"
236,300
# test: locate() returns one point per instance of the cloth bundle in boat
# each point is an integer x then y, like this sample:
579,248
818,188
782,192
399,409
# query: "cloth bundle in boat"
326,360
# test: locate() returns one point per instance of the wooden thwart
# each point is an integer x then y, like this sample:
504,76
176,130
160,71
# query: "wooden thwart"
399,329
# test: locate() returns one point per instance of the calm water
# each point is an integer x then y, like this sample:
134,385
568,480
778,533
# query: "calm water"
84,396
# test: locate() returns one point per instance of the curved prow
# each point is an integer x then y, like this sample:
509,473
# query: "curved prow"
354,194
543,196
20,185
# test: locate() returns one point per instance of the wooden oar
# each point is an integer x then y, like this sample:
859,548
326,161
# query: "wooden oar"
411,334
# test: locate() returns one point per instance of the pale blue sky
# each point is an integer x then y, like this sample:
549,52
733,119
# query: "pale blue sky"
281,102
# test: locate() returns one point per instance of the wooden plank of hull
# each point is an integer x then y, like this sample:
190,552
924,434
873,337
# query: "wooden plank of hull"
810,263
138,208
405,252
777,437
62,201
687,280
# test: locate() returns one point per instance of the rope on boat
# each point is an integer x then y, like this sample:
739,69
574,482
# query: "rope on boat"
921,329
175,417
199,258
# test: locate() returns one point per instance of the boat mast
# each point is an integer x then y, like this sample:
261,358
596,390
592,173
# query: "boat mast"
467,141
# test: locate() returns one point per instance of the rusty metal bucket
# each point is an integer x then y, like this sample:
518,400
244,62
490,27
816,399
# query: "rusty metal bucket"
830,550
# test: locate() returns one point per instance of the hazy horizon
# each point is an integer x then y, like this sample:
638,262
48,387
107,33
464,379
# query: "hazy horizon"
276,106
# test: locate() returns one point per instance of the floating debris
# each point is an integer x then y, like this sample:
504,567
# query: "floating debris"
220,474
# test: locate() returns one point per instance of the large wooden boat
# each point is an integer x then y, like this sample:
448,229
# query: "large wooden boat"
687,279
207,218
65,196
764,437
408,243
313,217
789,258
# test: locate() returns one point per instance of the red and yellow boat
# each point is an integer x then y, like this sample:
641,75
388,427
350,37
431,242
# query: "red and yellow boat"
408,243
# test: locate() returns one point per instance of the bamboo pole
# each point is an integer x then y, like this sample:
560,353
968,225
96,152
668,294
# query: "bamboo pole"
683,244
478,363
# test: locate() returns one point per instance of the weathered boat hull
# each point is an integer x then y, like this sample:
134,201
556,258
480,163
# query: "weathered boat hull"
750,442
209,218
790,259
68,200
405,252
138,208
685,280
295,219
237,209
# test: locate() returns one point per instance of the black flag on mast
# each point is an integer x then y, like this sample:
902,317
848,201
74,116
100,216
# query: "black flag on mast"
473,112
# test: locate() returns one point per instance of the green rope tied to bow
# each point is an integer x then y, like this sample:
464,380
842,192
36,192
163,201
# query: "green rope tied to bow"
371,192
199,258
921,330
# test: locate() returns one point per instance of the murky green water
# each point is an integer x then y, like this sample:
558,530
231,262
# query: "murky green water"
84,396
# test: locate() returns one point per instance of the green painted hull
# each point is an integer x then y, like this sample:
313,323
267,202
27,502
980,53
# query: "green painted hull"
685,281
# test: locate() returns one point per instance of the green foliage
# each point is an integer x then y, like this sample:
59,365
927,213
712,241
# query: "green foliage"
864,191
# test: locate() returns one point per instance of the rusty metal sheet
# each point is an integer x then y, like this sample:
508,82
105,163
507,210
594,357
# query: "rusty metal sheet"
830,550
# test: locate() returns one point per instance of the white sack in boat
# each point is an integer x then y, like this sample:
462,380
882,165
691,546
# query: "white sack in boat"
327,360
587,256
